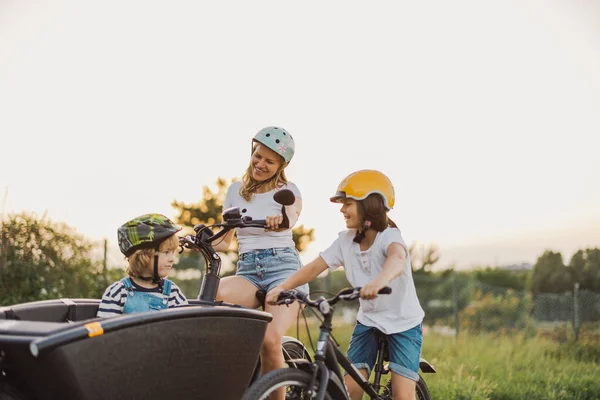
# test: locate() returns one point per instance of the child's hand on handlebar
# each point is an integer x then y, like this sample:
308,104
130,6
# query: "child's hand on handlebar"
273,295
370,290
273,222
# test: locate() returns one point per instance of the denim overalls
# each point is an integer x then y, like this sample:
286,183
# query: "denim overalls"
145,301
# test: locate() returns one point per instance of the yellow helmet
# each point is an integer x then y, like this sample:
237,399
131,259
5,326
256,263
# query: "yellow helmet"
358,185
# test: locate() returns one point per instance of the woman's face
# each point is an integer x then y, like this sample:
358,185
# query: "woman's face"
350,211
265,163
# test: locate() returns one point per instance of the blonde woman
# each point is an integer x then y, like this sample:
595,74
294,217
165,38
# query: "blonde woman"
267,257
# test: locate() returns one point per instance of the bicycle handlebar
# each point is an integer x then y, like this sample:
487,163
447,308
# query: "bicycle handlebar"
289,296
233,219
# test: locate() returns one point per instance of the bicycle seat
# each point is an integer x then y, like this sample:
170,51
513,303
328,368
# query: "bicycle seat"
261,296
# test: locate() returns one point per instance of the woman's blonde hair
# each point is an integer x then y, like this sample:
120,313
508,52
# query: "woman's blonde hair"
143,259
250,185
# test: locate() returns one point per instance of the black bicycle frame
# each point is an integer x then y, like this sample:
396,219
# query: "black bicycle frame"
329,358
210,283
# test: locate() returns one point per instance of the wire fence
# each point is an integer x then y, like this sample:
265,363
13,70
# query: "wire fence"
468,304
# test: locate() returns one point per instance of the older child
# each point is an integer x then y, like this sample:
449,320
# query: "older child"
374,255
149,243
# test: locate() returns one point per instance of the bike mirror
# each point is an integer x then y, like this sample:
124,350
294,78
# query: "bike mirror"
232,213
285,197
199,227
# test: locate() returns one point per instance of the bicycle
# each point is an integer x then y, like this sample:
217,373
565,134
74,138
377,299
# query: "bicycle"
322,378
46,346
202,241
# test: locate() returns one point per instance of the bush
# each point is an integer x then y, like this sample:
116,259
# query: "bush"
498,313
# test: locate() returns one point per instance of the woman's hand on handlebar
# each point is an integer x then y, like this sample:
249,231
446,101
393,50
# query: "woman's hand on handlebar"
273,222
273,295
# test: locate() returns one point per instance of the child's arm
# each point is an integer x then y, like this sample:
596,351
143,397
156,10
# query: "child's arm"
304,275
176,298
112,301
392,268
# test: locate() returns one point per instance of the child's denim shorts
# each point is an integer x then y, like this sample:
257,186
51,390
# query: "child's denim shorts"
268,268
404,350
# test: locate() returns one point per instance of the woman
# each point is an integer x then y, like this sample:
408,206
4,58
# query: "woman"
267,257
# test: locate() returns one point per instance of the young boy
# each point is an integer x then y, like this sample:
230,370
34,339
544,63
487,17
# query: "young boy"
149,243
374,255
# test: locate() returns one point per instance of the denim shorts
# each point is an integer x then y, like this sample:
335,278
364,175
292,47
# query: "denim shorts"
268,268
404,350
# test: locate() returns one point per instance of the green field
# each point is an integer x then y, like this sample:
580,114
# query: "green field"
503,368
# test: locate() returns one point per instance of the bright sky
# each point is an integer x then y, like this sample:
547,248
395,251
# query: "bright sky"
485,115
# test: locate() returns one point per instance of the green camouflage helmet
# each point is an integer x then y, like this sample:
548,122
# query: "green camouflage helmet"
145,231
277,139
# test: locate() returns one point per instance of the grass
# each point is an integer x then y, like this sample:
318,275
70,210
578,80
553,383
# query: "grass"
495,367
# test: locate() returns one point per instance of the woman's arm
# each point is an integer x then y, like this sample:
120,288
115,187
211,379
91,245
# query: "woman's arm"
224,243
292,212
392,268
304,275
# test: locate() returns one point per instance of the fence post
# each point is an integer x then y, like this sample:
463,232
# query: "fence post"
455,302
104,268
576,319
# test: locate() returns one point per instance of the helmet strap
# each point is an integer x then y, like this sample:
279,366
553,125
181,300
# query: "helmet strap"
156,278
360,235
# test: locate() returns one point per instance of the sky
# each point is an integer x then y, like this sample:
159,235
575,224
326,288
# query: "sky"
485,115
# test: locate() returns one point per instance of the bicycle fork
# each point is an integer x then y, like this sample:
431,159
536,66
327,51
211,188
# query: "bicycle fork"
380,369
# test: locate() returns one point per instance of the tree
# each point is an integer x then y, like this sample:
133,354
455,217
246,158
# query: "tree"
422,259
499,277
40,259
584,268
208,211
550,275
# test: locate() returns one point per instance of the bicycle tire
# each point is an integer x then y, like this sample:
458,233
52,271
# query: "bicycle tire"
421,390
295,350
294,380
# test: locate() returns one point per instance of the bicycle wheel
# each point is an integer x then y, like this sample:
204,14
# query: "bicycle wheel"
421,390
293,380
293,350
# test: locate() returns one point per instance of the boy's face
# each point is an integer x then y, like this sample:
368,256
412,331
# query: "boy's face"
350,211
166,259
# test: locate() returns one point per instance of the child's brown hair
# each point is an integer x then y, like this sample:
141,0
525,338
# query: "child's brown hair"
373,209
142,260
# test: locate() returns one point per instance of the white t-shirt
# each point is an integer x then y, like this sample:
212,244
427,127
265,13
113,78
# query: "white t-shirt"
260,206
390,313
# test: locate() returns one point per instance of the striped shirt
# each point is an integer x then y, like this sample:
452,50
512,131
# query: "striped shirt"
115,296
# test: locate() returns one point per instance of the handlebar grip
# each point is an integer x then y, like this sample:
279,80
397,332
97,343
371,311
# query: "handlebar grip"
261,223
385,290
256,223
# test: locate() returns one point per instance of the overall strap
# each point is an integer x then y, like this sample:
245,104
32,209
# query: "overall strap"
127,283
167,287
